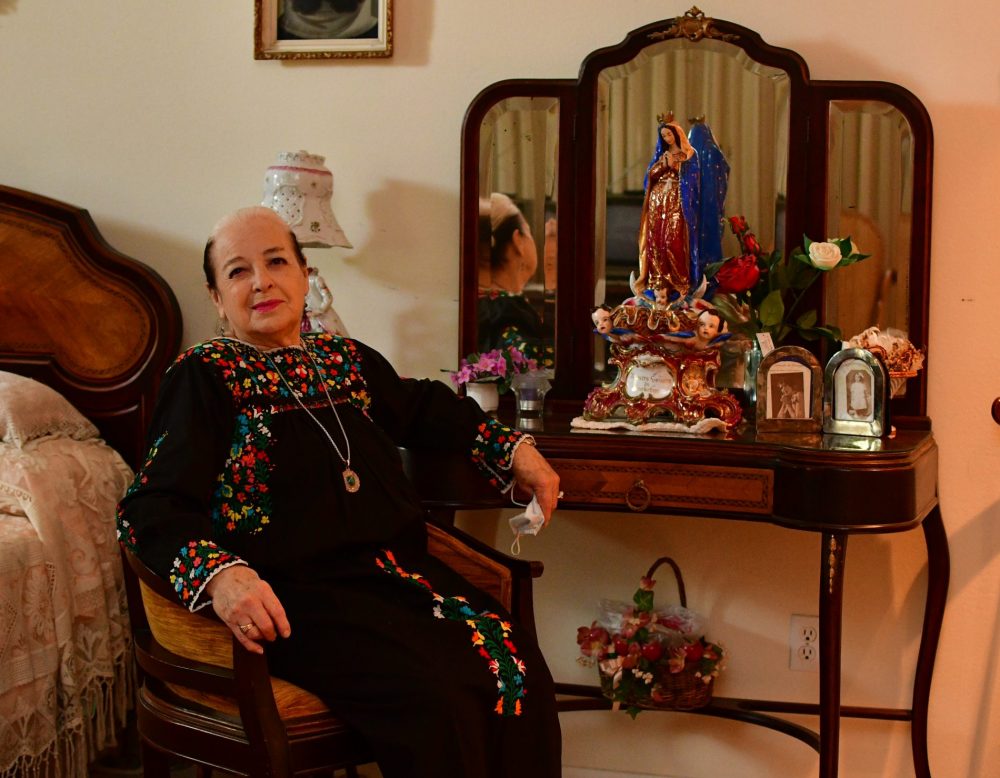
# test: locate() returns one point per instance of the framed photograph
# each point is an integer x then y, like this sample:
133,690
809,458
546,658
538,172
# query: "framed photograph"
789,391
855,398
322,29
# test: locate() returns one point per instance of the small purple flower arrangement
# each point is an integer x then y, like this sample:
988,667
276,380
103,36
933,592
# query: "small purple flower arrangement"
498,366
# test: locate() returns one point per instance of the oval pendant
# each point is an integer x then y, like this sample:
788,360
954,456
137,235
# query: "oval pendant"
351,481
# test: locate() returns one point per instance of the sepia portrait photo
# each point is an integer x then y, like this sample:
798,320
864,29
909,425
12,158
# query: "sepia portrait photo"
789,391
854,392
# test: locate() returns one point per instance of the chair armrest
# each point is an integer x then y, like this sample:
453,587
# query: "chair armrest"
505,578
175,647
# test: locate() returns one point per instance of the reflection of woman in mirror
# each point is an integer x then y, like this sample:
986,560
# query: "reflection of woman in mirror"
506,318
321,19
665,247
858,395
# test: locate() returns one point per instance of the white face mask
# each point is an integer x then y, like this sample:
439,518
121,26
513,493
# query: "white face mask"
528,523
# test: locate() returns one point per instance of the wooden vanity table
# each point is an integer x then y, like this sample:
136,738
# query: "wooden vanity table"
867,485
820,158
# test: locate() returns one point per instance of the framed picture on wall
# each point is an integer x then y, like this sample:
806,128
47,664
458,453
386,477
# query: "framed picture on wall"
322,29
854,402
789,391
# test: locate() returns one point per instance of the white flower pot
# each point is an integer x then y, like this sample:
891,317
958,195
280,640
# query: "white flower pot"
485,393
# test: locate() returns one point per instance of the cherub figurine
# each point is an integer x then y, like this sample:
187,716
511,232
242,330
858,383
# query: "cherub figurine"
319,315
601,317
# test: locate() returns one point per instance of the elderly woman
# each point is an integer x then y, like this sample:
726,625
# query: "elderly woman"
505,317
274,493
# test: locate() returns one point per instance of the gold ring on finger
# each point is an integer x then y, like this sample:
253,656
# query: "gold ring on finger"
245,628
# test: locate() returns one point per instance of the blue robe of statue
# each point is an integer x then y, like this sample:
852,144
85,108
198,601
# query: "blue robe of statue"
711,203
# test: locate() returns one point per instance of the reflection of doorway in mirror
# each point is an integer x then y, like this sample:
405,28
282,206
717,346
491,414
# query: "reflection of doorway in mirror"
870,199
789,390
853,388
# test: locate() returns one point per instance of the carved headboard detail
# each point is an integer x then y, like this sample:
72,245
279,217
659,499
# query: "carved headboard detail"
89,321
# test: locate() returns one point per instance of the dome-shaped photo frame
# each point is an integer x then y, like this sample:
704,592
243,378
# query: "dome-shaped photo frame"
789,391
854,399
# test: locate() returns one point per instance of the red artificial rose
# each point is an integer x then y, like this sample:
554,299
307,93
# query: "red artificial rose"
738,224
750,244
738,274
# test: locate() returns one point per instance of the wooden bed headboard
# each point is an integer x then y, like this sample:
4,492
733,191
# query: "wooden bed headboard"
97,326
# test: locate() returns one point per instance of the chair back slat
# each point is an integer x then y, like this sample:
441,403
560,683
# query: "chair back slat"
184,633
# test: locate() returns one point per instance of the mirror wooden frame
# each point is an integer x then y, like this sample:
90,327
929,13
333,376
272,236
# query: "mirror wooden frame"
807,185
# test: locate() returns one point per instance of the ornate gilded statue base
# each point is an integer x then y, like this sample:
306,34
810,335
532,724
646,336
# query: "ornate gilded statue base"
666,358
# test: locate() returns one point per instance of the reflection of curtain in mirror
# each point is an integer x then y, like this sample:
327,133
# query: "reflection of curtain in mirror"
518,144
743,103
870,198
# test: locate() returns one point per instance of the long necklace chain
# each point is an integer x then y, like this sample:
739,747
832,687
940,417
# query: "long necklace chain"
351,480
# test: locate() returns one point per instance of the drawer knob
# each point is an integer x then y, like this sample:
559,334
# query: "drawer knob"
638,496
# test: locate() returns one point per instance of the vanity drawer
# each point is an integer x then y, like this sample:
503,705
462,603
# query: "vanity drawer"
641,486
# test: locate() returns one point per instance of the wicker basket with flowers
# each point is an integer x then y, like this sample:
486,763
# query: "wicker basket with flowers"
650,657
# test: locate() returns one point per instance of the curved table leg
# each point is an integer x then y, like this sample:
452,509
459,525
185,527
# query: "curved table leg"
938,572
831,605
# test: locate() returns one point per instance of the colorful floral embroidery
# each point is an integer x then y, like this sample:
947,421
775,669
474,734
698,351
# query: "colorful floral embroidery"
242,501
197,562
493,451
490,636
126,533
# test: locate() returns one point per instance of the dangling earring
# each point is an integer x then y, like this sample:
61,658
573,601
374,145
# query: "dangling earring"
220,330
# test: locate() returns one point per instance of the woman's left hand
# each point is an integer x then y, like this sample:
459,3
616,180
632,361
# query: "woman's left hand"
536,475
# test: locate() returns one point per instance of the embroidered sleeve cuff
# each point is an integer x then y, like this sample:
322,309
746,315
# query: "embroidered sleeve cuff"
493,452
196,564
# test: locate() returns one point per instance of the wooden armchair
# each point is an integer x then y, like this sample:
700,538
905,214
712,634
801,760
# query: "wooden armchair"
204,699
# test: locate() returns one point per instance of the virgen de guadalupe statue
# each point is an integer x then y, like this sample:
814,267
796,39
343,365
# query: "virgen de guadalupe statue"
664,340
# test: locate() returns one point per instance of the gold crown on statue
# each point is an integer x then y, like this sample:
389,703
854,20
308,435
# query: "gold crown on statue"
665,118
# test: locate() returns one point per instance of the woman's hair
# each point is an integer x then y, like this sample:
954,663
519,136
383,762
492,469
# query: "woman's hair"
499,218
206,262
503,234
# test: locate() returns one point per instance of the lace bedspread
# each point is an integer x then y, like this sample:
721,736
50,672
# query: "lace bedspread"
65,665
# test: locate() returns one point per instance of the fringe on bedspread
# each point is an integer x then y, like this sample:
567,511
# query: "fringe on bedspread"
69,753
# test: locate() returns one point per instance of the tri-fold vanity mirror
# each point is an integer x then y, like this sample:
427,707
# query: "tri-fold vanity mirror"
805,157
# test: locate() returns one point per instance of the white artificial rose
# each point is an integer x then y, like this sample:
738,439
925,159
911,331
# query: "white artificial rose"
825,256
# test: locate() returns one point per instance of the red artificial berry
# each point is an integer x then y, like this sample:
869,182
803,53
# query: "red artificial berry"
621,646
652,651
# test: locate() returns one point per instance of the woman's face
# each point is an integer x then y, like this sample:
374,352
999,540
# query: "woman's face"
667,134
260,287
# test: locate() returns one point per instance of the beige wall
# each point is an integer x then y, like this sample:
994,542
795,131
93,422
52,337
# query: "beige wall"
156,118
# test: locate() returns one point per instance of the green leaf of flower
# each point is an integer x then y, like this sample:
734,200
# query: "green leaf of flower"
643,600
844,244
772,309
713,267
807,320
829,331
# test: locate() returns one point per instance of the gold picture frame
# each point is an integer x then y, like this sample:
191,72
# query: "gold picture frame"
854,400
364,33
789,391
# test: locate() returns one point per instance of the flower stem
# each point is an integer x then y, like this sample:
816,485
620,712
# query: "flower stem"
799,296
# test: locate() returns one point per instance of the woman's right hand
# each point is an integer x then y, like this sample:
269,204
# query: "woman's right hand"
241,598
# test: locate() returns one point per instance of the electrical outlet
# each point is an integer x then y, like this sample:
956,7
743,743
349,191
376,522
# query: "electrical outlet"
803,643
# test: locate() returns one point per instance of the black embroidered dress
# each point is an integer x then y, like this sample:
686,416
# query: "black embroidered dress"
429,668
